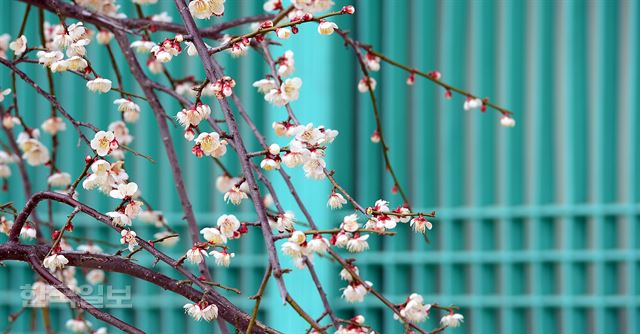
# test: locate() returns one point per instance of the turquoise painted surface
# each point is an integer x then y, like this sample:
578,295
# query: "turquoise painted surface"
537,225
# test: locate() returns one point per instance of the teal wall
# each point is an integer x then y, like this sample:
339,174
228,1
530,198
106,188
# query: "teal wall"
536,229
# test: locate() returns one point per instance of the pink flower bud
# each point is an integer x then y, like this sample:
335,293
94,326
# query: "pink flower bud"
349,9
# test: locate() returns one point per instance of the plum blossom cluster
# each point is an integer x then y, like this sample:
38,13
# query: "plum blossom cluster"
383,218
228,227
201,311
209,144
34,152
279,95
191,118
306,149
413,310
298,248
356,325
355,291
349,236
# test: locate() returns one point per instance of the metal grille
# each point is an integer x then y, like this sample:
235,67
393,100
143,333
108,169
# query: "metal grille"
537,225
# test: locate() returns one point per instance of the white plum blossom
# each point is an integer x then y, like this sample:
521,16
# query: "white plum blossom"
100,85
124,191
78,48
272,5
27,232
290,89
346,275
297,155
196,255
142,46
47,58
341,239
193,116
103,142
166,50
59,179
224,183
312,6
223,87
472,103
308,134
228,225
269,164
78,325
9,121
120,130
201,310
280,128
19,46
76,31
90,248
274,149
166,241
284,222
54,262
213,236
452,320
133,209
75,63
318,244
265,85
507,121
420,224
129,108
292,249
355,292
152,217
367,83
314,166
235,195
209,144
119,218
154,65
128,237
162,17
105,176
4,93
5,225
283,33
358,244
53,125
34,152
238,49
372,61
414,310
336,201
298,237
381,206
350,223
4,45
286,64
104,37
204,9
223,259
61,41
326,27
95,276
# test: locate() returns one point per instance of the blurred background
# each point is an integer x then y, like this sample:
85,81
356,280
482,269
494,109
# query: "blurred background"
537,225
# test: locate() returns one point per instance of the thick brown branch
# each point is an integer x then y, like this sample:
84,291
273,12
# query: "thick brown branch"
76,299
122,265
213,76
